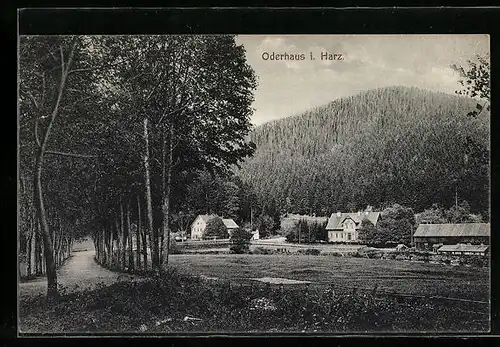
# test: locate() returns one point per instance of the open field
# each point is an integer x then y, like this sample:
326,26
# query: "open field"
410,296
345,273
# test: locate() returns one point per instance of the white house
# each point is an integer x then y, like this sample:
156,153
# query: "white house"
200,223
255,235
344,227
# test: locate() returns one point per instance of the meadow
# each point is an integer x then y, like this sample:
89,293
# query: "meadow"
345,273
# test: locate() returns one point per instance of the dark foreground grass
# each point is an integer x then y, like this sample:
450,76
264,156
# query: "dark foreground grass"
176,302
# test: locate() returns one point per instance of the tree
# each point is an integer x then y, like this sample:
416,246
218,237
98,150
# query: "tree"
196,92
265,225
477,84
215,228
397,224
318,231
240,241
433,215
461,214
476,81
52,69
367,232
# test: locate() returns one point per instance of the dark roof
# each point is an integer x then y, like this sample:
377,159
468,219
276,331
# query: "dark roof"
336,219
463,248
453,230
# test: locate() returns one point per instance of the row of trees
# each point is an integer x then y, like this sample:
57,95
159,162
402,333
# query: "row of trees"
113,128
307,232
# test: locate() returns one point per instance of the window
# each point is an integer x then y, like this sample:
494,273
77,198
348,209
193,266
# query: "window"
349,236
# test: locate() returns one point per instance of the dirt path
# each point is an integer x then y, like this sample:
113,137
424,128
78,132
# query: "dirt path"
79,272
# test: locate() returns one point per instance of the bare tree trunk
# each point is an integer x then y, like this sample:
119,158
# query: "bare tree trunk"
166,199
118,243
47,242
110,247
123,238
130,241
138,235
154,241
46,237
163,174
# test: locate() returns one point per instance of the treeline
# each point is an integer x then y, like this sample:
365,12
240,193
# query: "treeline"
113,130
390,145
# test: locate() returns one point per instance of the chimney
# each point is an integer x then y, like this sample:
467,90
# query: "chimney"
359,213
339,214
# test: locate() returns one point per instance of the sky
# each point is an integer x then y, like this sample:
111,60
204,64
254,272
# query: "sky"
289,87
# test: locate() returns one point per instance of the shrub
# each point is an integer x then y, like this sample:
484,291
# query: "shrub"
335,254
174,247
309,251
262,250
240,241
215,228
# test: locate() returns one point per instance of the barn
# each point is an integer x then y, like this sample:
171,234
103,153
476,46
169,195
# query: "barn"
428,235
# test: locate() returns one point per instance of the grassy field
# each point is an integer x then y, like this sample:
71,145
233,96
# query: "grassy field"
410,297
345,273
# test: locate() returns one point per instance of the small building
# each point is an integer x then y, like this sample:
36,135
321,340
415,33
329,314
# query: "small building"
230,225
461,249
400,247
344,227
200,223
428,235
255,235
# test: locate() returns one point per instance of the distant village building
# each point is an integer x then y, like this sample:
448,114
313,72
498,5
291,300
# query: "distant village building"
255,235
200,223
461,249
428,235
344,227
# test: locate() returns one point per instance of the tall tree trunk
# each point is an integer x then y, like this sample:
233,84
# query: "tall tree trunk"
123,238
47,242
130,241
166,198
138,235
153,240
46,237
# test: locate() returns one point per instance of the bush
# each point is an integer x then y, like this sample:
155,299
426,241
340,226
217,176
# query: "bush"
337,254
240,241
262,250
174,247
309,251
215,228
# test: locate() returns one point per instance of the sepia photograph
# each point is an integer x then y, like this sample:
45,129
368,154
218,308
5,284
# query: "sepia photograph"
187,184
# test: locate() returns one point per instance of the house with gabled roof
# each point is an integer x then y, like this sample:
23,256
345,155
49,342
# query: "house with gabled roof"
344,227
200,223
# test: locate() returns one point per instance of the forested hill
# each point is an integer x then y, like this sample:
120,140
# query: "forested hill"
395,144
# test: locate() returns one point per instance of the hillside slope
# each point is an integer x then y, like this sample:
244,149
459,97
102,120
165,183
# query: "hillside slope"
395,144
